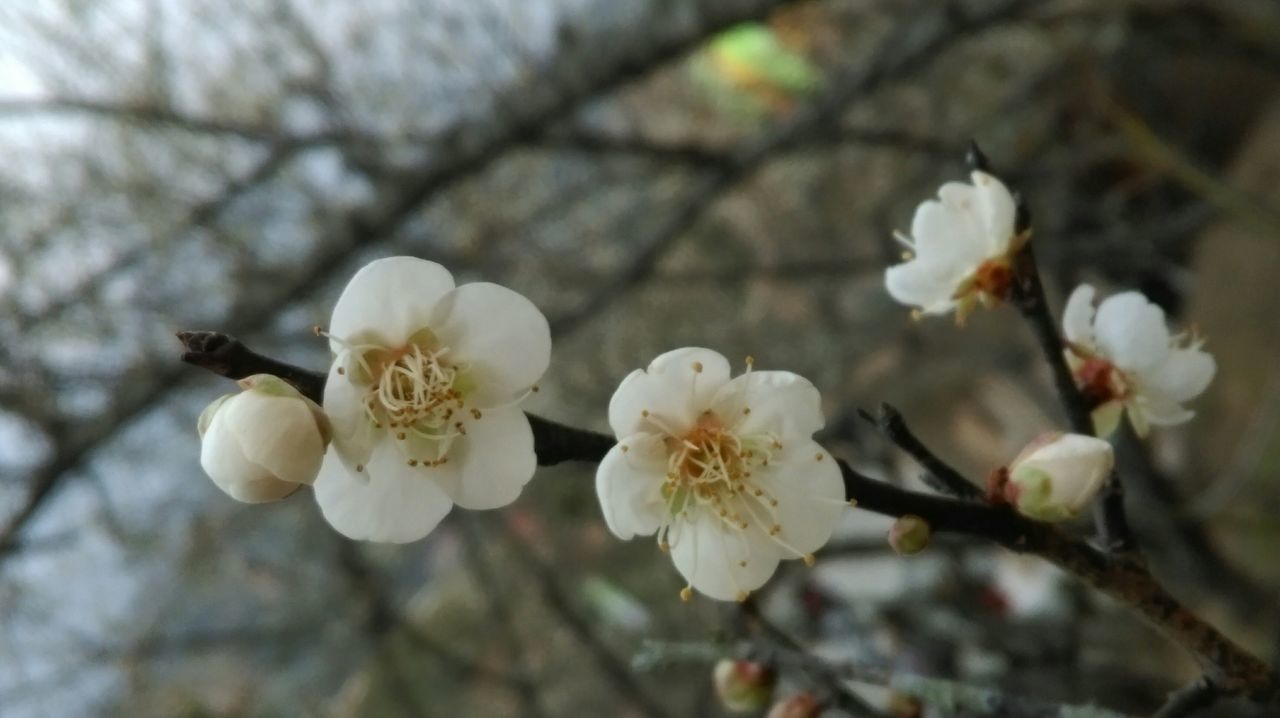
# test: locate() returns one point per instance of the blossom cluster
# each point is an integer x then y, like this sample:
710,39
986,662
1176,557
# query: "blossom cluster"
421,411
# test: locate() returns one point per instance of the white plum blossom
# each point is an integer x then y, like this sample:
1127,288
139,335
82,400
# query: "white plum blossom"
1125,359
961,248
265,442
1057,475
423,395
724,471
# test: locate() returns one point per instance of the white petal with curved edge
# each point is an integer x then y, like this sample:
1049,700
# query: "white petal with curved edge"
489,466
1185,374
629,484
671,390
1130,330
354,435
499,333
1077,318
710,557
810,495
1162,411
785,404
387,301
277,433
223,460
394,505
947,236
997,210
919,284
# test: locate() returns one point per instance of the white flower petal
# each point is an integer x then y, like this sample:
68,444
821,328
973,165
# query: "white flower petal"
671,390
1185,374
948,235
498,332
1077,318
1160,411
387,301
223,460
810,495
710,556
929,286
279,434
997,211
1131,331
396,504
629,484
786,404
354,435
489,466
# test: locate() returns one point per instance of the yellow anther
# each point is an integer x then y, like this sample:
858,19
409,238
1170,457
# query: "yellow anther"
809,560
686,594
624,449
775,530
413,462
819,457
475,414
697,367
743,563
341,371
359,467
742,596
644,413
746,410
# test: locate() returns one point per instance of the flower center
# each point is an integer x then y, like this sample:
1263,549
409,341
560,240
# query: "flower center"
994,278
712,475
1099,380
413,392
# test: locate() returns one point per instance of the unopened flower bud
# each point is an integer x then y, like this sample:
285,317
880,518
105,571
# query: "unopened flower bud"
909,534
261,444
1057,475
802,705
744,686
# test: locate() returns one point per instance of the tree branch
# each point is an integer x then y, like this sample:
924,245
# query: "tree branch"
1124,578
938,474
1112,522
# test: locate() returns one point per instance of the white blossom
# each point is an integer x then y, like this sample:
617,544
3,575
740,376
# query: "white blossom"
265,442
961,248
724,471
1125,359
1057,475
423,397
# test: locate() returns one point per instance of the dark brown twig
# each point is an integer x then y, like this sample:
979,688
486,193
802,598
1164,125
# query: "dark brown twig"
1123,577
938,474
1197,695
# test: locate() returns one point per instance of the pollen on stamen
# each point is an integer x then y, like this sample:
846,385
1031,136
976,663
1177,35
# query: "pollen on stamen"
810,560
401,435
742,596
686,594
644,413
819,456
359,468
341,371
775,529
624,448
664,547
746,410
908,255
475,414
743,563
750,361
697,367
916,315
317,330
534,388
413,462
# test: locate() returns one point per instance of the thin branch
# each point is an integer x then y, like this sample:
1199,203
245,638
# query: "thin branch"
1195,696
1114,531
615,669
939,475
1121,576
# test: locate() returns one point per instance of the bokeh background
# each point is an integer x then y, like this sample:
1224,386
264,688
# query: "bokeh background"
653,174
